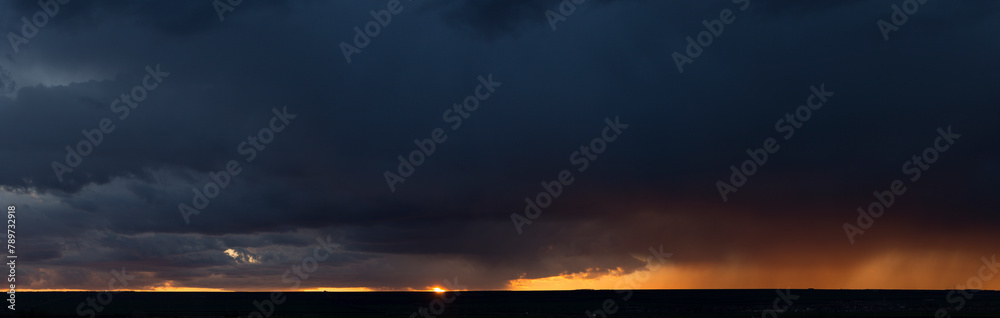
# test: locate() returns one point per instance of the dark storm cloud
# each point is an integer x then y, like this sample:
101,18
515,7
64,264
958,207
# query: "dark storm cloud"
800,7
323,174
493,18
171,19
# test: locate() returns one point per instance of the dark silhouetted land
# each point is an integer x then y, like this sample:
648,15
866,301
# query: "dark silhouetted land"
642,303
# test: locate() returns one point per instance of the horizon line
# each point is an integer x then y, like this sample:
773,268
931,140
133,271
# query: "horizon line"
473,290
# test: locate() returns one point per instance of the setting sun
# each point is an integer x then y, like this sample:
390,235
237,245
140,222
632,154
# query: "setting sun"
438,290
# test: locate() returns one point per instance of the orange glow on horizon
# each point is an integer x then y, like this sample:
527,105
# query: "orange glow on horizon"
168,286
918,270
337,289
927,269
605,279
55,290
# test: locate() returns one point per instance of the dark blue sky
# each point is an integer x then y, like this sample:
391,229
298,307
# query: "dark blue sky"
656,184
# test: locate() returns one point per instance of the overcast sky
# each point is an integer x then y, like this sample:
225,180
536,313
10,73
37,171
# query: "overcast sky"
656,183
